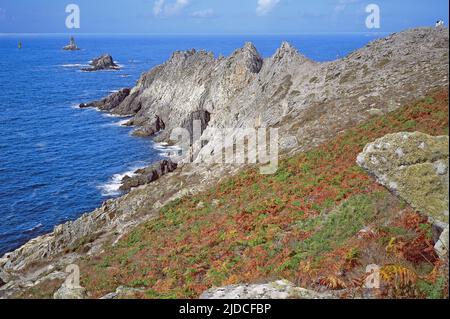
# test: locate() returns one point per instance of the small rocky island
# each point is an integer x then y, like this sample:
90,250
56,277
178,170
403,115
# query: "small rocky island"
72,46
104,62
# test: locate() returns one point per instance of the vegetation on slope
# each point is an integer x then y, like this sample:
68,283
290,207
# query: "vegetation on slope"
318,222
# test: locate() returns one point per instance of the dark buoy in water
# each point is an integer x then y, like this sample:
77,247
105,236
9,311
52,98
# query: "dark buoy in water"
20,45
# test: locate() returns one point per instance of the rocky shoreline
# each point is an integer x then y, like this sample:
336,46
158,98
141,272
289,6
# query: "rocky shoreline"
309,102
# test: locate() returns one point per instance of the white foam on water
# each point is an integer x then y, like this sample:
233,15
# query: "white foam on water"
112,187
74,65
115,115
167,151
32,229
121,123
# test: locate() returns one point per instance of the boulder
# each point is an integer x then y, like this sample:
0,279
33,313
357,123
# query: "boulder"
69,293
150,129
281,289
441,246
104,62
123,293
414,166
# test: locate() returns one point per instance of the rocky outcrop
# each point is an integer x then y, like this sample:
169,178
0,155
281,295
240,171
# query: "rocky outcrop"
104,62
441,246
72,46
110,102
147,175
281,289
70,293
415,167
309,102
124,293
153,127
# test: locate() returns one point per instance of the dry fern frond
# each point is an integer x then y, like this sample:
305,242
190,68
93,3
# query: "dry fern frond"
333,283
398,276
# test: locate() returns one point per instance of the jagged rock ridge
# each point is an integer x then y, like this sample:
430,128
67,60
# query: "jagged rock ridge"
308,101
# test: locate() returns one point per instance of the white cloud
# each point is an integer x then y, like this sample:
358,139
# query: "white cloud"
265,6
160,7
207,13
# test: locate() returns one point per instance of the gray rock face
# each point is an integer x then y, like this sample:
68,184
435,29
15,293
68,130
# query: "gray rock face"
110,102
441,246
415,167
123,293
151,128
308,101
147,175
281,289
67,293
104,62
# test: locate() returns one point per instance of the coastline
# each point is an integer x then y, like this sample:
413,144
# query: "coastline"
89,234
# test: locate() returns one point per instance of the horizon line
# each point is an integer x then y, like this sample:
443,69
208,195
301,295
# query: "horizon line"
196,34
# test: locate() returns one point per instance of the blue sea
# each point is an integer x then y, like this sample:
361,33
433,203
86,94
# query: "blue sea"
58,161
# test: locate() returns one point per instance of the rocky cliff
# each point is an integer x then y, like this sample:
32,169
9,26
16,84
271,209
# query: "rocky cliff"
310,102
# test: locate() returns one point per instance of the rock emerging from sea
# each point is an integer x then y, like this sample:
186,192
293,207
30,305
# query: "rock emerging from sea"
110,102
104,62
147,175
72,46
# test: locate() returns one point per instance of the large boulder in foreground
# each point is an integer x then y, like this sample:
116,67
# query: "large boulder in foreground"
70,293
281,289
441,246
104,62
415,166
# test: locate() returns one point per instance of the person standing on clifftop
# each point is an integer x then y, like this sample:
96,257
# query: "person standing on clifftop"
439,23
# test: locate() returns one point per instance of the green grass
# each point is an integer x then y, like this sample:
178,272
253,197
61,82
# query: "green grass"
334,229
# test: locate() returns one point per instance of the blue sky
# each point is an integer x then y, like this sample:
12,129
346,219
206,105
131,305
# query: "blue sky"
217,16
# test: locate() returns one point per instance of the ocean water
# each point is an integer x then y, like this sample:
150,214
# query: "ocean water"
58,161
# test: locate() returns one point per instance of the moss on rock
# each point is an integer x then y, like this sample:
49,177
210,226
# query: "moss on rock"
415,167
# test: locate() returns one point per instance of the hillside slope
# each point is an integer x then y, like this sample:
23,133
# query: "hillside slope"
318,223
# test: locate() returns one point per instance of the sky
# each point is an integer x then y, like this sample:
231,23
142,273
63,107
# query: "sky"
218,16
